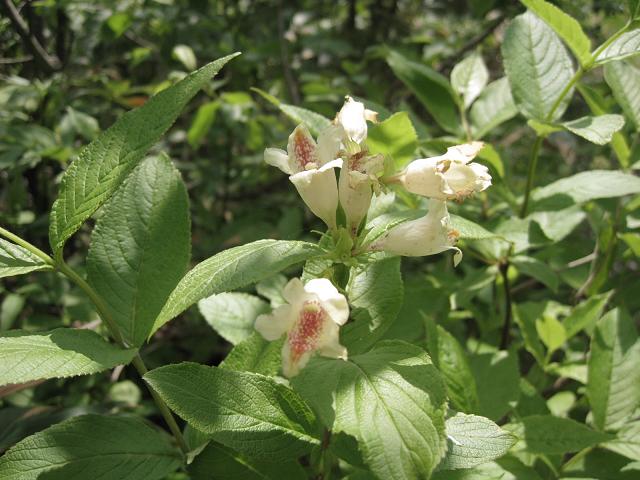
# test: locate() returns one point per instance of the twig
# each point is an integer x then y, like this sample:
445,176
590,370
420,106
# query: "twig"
508,313
11,61
51,62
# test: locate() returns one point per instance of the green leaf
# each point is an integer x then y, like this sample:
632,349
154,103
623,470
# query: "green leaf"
255,354
431,88
92,446
63,352
624,80
391,399
525,316
222,463
469,77
543,129
555,435
375,294
534,268
451,359
494,106
598,130
248,412
104,164
551,332
231,269
474,440
613,384
627,441
232,314
585,314
470,230
141,245
395,138
497,379
634,9
507,468
16,260
184,54
592,185
625,46
205,116
565,26
538,67
314,121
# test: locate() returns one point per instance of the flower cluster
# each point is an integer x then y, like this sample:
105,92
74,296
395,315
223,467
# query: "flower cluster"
315,311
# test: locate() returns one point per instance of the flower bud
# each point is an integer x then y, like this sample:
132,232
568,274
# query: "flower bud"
353,117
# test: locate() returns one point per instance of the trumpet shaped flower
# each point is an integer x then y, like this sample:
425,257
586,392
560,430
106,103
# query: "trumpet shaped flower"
451,176
353,117
311,321
310,167
358,179
427,235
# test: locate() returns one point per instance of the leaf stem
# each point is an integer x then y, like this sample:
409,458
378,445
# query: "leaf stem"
508,311
533,163
26,245
106,317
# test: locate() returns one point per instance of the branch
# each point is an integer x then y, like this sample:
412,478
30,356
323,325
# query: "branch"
51,62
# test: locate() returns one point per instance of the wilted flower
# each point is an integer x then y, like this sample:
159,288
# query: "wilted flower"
449,176
311,320
353,117
310,167
427,235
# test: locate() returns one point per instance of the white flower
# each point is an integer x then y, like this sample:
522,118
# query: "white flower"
449,176
311,320
427,235
353,117
358,179
310,167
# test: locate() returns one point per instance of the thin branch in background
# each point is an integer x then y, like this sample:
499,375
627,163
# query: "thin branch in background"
50,62
292,86
11,61
449,62
508,310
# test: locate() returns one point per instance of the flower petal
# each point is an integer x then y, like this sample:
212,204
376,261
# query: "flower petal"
302,150
352,119
278,158
319,190
463,153
331,300
273,326
329,344
293,291
329,142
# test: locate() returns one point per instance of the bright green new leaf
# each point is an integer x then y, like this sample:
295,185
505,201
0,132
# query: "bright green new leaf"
92,446
16,260
313,120
625,46
565,26
219,462
255,354
431,88
474,440
538,67
469,77
598,130
613,384
104,164
232,314
395,138
585,314
451,359
624,80
141,245
470,230
551,332
586,186
375,294
391,399
60,353
205,116
555,435
494,106
250,413
543,129
231,269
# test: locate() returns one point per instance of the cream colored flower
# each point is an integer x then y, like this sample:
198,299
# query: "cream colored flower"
353,117
310,167
449,176
358,179
311,321
427,235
